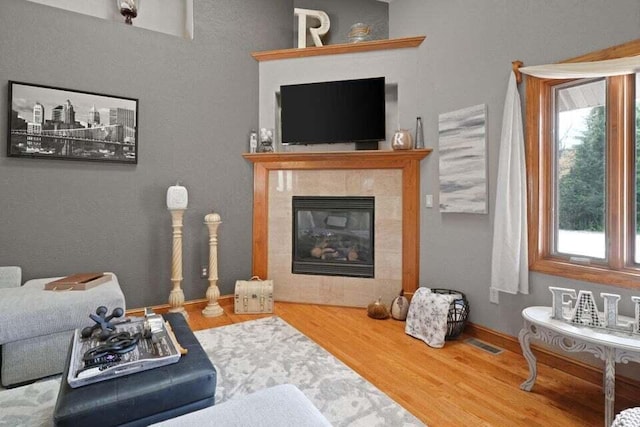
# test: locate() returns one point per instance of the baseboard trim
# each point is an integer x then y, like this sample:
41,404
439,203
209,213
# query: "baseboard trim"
196,304
558,361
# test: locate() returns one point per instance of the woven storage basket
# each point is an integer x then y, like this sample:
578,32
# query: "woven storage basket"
458,313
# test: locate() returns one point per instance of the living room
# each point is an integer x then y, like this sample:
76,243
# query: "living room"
198,100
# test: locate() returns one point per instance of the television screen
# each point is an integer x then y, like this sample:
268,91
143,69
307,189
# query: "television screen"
336,111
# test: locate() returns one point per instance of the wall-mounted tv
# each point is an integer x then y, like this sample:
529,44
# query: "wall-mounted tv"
335,111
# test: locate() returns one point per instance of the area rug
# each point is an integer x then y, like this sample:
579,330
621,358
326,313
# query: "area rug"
30,405
251,356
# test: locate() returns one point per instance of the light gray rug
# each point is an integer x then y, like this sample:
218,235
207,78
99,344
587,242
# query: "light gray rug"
30,405
251,356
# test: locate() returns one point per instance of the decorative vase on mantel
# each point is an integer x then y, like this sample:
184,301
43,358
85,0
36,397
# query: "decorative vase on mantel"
402,140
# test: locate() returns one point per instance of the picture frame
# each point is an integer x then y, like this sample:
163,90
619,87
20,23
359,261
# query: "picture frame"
47,122
462,139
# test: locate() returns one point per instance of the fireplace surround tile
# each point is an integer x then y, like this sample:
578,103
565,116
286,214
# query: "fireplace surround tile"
390,206
388,237
288,289
331,290
385,186
280,240
382,182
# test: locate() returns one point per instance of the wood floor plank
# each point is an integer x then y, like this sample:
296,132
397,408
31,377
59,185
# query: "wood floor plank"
458,385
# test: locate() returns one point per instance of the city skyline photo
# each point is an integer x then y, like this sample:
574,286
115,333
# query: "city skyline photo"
49,122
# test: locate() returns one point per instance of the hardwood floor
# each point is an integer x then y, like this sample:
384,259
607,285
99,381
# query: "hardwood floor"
458,385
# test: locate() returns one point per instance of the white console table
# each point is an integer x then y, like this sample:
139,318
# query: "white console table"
611,347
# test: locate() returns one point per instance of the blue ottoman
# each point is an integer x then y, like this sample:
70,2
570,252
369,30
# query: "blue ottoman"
145,397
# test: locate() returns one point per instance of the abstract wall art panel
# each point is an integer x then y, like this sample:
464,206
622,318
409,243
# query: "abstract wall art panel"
463,160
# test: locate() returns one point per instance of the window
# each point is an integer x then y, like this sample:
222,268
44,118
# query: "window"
584,175
579,214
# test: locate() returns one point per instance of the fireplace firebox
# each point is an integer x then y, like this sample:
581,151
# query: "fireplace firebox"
333,236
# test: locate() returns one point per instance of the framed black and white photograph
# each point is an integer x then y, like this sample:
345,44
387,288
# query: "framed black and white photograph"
56,123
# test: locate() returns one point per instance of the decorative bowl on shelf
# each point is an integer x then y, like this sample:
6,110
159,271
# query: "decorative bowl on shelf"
359,32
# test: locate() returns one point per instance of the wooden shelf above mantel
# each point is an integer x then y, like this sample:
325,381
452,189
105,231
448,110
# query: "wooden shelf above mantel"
335,49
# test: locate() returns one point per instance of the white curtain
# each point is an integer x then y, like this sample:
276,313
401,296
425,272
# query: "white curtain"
509,261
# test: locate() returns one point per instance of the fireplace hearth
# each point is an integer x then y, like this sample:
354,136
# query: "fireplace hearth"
333,236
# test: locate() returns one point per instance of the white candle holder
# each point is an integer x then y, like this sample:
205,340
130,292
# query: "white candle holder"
177,199
213,308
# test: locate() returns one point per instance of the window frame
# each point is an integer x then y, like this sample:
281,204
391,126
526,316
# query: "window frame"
619,268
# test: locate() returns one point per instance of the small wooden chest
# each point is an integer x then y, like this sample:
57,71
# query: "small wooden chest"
253,296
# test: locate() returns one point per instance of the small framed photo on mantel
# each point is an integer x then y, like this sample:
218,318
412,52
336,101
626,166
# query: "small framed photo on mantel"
54,123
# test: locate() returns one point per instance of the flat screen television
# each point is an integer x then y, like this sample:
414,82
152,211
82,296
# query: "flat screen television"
335,111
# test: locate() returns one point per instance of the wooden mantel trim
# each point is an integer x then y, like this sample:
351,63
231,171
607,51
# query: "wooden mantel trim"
364,156
408,161
334,49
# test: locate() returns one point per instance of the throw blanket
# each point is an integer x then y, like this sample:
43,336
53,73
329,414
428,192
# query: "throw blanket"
427,317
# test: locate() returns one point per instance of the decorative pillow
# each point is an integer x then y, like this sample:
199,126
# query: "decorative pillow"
427,317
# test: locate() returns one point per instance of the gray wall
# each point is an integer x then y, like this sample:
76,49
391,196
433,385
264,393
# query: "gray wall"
465,60
197,101
343,14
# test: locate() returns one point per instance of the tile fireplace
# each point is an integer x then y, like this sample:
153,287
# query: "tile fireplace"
390,179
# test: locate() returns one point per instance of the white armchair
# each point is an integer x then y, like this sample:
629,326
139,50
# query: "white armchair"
10,277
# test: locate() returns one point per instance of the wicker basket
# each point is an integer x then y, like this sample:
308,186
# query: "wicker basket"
458,313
